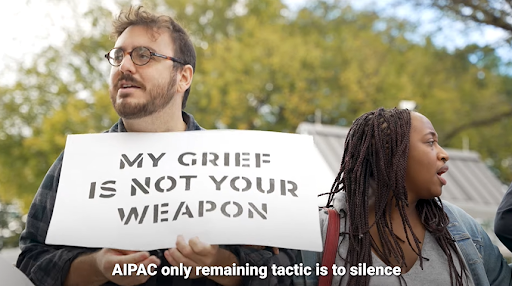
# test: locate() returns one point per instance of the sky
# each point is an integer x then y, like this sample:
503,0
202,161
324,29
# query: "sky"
27,26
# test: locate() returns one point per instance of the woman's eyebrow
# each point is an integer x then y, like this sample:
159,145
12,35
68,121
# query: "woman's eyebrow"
434,134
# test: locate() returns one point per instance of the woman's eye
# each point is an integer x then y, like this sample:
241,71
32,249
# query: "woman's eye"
431,143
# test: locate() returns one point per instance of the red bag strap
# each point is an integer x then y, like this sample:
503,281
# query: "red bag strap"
331,246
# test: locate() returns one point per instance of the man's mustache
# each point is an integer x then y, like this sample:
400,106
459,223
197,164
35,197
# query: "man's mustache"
129,78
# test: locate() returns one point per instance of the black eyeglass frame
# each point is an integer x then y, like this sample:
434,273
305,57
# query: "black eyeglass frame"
152,54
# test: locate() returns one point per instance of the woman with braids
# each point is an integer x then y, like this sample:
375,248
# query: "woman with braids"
387,193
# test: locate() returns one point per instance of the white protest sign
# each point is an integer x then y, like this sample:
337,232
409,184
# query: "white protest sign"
139,191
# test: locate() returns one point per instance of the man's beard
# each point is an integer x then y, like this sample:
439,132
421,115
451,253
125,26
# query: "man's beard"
159,96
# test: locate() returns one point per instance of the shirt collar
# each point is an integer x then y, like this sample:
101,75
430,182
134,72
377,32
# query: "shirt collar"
187,118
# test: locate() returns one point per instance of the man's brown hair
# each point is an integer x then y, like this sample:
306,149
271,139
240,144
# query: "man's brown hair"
183,47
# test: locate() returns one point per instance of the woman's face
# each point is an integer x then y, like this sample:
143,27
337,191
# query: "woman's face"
426,161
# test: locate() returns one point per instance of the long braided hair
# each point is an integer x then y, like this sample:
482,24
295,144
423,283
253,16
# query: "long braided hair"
376,150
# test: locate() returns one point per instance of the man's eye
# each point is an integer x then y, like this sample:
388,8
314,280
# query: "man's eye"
142,55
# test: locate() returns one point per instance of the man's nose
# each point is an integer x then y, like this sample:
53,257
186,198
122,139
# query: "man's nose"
127,65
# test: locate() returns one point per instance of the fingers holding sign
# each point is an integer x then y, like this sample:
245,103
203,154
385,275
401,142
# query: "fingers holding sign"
198,254
194,253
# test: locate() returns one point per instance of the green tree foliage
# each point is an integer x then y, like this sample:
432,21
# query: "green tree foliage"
495,114
11,225
258,68
62,92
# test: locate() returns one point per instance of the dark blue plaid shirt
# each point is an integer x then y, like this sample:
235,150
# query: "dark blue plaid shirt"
48,265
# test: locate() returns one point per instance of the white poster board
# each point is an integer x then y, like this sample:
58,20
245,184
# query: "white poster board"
139,191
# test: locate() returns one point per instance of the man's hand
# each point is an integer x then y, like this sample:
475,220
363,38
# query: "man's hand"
194,253
106,259
96,268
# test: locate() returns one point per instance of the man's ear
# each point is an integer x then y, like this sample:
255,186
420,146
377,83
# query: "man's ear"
185,78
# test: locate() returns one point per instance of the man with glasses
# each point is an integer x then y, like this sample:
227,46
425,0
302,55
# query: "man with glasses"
153,63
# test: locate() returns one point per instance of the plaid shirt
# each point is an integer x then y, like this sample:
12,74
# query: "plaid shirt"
48,265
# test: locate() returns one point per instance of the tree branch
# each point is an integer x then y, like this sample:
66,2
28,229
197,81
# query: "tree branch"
489,13
476,123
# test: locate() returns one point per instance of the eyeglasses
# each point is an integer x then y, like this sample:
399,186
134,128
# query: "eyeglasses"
140,56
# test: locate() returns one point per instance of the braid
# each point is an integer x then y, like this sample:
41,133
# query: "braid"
436,221
376,151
